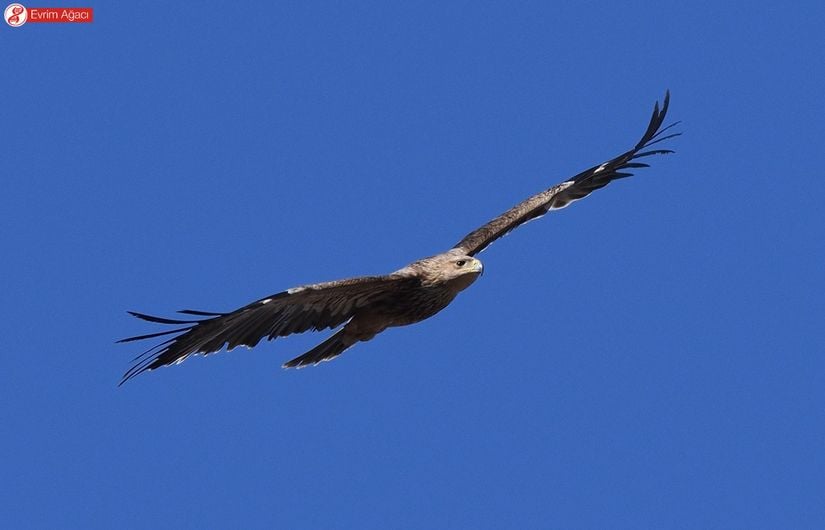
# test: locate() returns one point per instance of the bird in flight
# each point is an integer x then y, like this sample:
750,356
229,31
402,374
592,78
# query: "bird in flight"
367,305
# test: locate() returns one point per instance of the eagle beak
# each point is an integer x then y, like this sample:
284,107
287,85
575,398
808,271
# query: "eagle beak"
477,266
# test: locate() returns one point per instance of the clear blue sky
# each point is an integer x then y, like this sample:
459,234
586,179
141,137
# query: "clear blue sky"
651,357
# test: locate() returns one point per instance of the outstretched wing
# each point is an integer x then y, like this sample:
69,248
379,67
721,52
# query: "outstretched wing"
318,306
573,189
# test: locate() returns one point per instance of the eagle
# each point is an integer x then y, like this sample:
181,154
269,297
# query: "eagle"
363,307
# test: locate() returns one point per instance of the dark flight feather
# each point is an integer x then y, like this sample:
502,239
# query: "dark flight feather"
574,188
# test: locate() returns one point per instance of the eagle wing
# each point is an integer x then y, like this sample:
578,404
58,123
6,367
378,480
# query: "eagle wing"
317,306
574,188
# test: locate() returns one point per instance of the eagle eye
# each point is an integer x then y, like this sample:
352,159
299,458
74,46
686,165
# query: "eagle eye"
460,263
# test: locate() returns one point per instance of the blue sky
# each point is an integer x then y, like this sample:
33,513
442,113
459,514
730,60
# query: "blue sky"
651,357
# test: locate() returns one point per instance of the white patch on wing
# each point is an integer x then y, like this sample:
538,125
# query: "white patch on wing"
293,290
265,301
564,185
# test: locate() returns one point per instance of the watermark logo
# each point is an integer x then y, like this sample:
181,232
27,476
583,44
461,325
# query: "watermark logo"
15,15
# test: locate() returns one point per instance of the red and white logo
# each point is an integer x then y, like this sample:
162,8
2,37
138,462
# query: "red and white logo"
15,15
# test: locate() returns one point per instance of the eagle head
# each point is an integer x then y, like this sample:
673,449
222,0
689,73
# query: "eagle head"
453,268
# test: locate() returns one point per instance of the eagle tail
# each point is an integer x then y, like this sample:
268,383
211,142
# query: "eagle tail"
326,351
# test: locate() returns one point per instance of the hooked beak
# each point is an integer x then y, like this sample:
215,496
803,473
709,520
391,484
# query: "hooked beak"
478,267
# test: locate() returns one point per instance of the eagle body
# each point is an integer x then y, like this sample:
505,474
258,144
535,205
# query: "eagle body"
365,306
426,287
437,281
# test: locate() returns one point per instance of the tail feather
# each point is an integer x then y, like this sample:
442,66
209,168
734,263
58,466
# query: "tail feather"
326,351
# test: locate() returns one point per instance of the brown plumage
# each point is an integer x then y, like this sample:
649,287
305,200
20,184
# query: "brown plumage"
368,305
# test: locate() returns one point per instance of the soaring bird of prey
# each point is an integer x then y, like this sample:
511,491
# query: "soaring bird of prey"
365,306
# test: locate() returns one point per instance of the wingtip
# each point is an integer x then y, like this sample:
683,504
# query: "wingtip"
665,103
146,365
142,316
126,376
